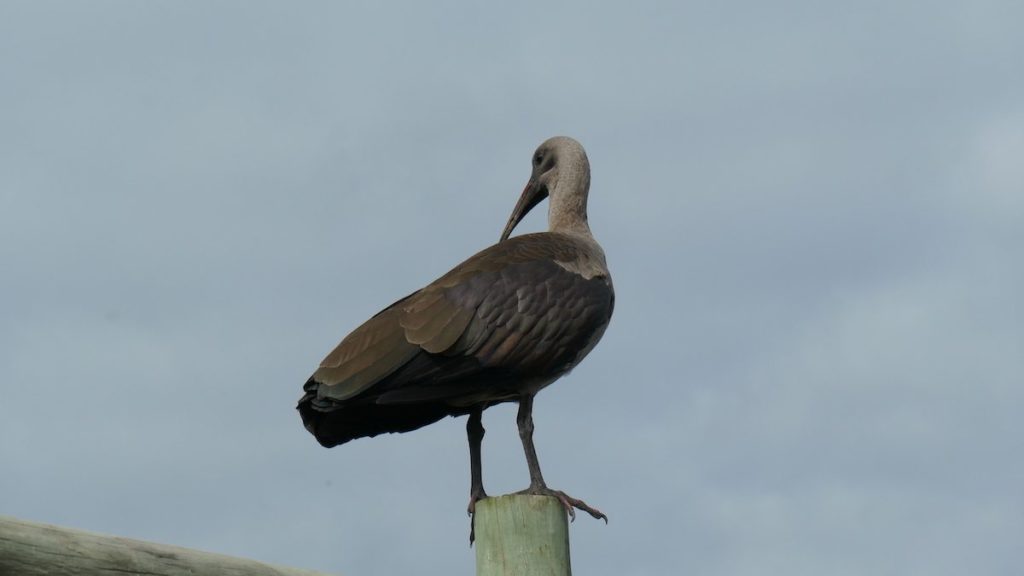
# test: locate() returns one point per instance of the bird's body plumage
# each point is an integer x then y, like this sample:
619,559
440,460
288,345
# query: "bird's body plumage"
506,322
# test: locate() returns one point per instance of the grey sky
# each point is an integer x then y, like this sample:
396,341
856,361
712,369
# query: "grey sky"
813,214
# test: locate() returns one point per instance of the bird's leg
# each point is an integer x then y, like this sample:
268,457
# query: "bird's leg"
475,432
524,419
537,485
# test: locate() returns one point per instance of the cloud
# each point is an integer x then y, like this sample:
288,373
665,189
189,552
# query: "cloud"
812,217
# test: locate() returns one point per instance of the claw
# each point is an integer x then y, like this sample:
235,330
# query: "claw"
471,511
568,502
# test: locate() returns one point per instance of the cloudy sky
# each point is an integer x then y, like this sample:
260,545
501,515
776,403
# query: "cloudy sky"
814,215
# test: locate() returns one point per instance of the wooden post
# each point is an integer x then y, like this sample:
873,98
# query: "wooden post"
521,535
30,548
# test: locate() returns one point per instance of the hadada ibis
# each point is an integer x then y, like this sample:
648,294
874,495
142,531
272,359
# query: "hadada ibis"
498,327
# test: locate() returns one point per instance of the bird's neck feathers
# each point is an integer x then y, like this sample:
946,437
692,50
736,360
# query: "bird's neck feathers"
567,213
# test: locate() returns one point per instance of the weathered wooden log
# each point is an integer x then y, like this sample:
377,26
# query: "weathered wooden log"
31,548
521,535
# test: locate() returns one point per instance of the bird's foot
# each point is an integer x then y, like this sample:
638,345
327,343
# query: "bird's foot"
568,502
474,497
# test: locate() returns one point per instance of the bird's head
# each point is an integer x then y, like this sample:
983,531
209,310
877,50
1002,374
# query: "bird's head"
560,170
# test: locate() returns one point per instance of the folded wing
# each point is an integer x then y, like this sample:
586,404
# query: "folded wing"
511,316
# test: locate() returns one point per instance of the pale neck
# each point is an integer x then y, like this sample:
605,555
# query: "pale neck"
567,212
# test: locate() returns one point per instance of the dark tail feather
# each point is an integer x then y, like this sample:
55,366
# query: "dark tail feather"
335,424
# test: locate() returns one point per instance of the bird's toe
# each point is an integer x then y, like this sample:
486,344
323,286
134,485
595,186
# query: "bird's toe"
568,502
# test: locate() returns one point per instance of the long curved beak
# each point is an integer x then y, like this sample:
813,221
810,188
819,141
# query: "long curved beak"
532,195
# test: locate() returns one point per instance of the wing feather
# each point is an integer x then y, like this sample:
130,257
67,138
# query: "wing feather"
508,314
367,355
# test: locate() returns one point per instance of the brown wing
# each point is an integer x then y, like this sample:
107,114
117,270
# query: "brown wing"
505,316
531,321
367,355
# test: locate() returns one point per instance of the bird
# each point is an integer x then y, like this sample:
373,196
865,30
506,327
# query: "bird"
499,327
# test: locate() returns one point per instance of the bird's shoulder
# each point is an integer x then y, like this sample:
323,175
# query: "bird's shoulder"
577,255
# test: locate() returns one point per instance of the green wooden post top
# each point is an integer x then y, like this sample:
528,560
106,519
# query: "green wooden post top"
522,535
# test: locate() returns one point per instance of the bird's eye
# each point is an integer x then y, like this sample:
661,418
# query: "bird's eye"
537,159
